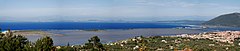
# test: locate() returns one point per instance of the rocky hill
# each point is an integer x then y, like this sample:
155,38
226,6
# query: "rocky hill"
232,20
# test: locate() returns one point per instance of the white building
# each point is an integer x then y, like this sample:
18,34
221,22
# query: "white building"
4,32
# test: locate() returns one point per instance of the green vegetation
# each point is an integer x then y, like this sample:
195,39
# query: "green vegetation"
237,41
1,35
172,43
9,42
94,44
44,44
67,48
13,43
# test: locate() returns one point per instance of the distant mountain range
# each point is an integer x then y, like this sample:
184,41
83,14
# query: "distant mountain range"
182,21
232,20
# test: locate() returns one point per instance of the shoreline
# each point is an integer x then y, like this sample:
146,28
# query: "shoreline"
34,33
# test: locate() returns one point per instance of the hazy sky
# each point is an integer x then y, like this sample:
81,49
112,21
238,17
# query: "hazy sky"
135,10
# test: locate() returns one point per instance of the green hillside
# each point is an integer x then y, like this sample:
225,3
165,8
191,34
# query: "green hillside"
232,20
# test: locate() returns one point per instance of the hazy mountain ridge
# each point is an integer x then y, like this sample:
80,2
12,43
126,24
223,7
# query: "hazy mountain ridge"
232,20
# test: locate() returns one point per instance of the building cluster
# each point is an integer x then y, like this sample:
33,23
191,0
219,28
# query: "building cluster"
223,36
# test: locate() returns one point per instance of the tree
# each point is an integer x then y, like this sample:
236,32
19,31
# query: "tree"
0,30
67,48
1,34
44,44
13,43
94,44
9,33
237,41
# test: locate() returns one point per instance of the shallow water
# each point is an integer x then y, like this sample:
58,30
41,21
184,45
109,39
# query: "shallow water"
75,37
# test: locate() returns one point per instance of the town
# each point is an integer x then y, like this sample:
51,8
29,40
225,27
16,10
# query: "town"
223,36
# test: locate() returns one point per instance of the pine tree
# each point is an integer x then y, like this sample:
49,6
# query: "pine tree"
1,34
44,44
13,43
94,44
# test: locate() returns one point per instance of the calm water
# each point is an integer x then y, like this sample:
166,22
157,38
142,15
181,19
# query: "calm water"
113,31
72,36
81,25
75,37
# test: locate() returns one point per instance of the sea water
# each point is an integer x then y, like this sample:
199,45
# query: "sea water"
81,25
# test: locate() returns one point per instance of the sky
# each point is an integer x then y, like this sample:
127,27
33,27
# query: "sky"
113,10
